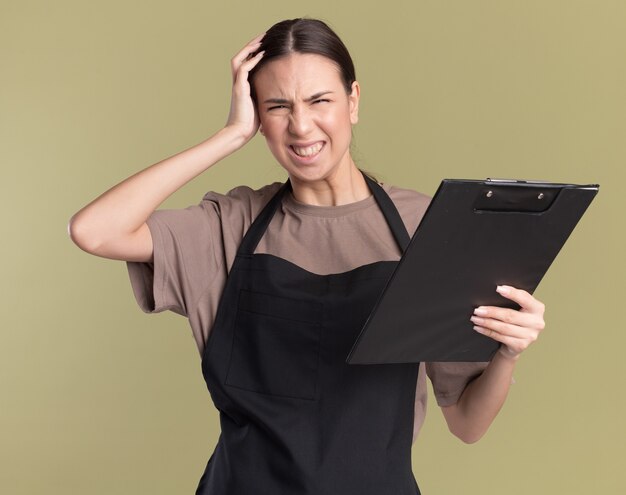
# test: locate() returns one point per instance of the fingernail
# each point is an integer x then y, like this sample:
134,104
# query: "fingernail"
480,311
478,329
502,289
476,319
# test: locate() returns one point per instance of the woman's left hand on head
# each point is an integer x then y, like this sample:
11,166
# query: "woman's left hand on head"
514,329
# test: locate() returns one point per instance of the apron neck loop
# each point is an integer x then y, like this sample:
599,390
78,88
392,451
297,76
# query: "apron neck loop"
258,227
391,214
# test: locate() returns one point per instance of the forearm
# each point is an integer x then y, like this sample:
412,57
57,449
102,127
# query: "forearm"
125,207
481,400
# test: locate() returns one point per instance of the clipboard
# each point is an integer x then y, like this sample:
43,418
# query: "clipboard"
475,235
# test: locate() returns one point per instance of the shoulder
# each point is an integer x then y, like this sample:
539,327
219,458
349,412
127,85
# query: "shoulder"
411,204
244,192
236,209
243,199
403,195
240,202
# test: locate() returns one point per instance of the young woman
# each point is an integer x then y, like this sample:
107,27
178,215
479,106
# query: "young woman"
277,282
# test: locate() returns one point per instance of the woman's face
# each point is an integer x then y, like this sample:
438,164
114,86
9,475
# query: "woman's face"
306,115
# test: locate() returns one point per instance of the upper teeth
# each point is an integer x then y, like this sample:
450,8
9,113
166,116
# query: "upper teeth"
309,150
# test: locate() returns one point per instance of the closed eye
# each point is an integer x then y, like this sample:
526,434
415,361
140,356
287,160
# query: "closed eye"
278,107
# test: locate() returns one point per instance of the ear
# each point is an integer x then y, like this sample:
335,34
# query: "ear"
353,101
261,129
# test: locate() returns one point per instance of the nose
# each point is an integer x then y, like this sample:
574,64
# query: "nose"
300,121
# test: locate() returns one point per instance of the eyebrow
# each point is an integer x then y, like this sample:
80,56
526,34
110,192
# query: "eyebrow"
310,98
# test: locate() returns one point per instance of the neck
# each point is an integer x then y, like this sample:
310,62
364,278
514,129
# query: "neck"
344,187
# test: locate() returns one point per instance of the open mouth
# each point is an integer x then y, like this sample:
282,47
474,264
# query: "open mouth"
307,151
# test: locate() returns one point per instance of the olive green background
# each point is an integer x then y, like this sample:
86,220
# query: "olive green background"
97,397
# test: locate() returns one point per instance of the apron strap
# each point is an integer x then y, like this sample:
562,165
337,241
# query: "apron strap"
394,220
390,212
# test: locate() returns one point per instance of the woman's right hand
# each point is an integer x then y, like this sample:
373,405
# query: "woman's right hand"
114,225
243,115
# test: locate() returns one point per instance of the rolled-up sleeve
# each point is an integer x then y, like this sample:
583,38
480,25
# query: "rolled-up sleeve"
184,260
450,379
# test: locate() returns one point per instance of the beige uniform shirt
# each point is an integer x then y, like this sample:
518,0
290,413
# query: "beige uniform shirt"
195,247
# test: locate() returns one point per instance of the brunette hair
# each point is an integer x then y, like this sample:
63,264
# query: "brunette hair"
304,36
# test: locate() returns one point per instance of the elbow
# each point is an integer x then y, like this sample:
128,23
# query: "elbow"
467,428
465,434
469,439
79,235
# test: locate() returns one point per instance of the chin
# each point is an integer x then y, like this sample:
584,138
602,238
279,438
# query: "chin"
308,175
313,172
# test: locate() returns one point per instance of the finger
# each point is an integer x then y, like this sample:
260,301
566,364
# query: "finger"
508,315
521,297
507,329
514,345
237,66
250,47
256,39
247,66
251,61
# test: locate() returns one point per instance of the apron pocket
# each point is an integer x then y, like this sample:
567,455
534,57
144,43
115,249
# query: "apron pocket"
276,345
